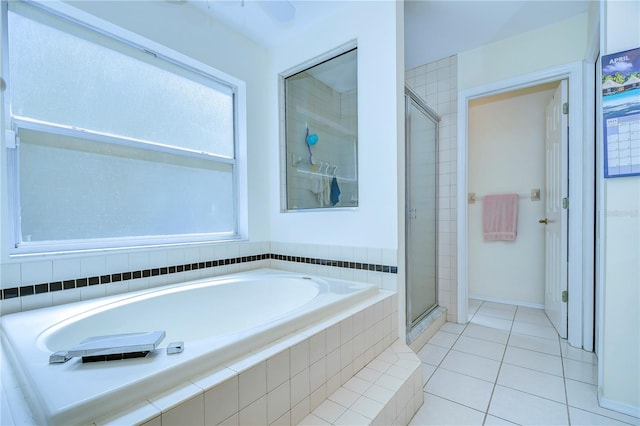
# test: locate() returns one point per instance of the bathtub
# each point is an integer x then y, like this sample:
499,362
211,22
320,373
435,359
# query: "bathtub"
219,320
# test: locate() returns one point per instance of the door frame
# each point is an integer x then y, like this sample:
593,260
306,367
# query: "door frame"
581,205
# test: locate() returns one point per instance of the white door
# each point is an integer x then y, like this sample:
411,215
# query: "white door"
555,220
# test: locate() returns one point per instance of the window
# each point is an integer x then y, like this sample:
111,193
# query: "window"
116,144
321,133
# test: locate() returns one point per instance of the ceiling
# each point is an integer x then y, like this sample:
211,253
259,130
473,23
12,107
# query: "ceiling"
434,29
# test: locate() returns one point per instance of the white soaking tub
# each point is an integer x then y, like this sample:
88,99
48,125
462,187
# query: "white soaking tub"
218,319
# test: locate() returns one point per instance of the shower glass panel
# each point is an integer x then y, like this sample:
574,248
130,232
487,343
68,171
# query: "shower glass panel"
421,208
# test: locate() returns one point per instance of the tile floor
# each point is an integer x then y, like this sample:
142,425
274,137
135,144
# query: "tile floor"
508,366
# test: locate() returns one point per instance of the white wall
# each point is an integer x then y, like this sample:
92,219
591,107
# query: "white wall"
557,44
374,223
619,219
506,155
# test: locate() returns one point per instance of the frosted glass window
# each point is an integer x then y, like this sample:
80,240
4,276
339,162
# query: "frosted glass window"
85,80
115,146
79,189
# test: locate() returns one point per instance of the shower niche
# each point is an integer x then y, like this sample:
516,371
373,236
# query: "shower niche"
319,133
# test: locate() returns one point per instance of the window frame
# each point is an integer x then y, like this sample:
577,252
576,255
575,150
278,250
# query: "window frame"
12,126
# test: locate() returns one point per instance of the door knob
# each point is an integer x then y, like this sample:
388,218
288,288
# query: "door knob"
545,221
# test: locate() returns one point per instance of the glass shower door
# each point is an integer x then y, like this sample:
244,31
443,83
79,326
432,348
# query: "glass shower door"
422,208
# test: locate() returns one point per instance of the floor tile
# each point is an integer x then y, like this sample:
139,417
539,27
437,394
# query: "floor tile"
500,306
533,316
496,421
456,387
570,352
580,371
473,305
534,360
526,409
471,365
492,322
541,380
427,372
534,382
443,339
483,348
535,330
439,411
486,333
451,327
584,396
496,312
432,354
534,343
582,417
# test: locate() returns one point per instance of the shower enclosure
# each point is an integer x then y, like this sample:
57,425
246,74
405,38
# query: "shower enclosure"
421,130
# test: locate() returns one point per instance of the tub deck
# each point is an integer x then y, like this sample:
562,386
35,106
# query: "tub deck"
216,334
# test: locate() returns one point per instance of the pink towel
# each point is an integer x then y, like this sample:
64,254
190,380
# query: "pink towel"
500,217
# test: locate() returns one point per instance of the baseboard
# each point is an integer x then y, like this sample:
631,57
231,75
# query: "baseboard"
506,301
620,407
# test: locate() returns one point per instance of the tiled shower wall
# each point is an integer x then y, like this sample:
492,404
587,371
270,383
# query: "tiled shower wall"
436,84
332,116
34,284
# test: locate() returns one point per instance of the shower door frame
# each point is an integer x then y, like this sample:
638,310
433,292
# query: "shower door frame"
410,96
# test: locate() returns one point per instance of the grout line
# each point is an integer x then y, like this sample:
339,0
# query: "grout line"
495,383
564,382
561,355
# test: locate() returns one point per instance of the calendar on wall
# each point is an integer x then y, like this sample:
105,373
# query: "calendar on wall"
621,113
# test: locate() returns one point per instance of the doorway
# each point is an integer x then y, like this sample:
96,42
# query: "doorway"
421,208
507,155
580,295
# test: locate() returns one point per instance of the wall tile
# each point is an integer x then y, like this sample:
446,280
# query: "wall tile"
92,292
300,387
36,272
66,296
37,301
11,275
277,370
252,385
299,357
138,261
221,402
10,306
278,402
92,266
117,263
255,413
188,413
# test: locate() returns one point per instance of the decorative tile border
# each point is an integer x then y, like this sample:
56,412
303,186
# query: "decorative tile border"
27,290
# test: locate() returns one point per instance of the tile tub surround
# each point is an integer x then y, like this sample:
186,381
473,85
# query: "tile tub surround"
23,287
279,384
284,383
388,391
